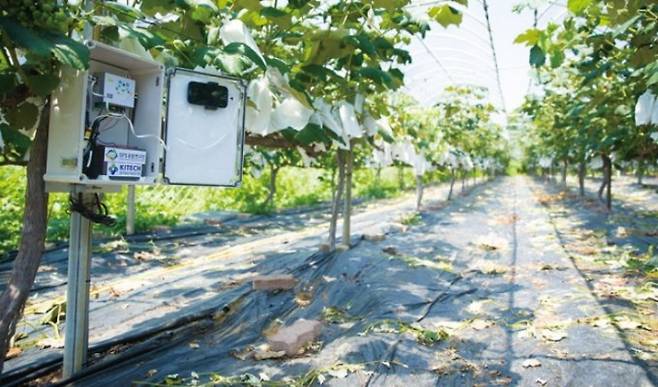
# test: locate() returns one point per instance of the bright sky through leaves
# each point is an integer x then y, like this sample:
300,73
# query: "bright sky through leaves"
465,53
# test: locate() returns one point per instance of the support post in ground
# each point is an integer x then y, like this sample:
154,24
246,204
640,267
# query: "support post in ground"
76,336
130,211
347,209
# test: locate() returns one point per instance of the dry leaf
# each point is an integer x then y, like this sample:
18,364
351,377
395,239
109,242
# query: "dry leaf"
264,355
531,363
541,381
479,324
51,343
304,298
339,373
244,354
13,352
553,335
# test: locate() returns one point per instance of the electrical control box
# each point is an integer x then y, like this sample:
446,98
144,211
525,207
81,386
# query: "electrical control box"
198,152
117,90
112,125
116,163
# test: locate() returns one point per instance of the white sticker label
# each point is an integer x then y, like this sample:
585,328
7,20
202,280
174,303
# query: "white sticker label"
121,155
124,170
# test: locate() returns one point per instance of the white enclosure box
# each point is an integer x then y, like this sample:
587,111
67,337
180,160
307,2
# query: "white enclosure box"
204,143
70,116
106,125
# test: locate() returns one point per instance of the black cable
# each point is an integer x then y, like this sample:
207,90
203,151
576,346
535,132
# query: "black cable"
99,215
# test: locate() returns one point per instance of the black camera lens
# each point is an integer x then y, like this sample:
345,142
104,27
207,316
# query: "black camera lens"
210,95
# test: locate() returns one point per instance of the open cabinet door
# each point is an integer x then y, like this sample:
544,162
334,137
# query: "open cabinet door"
204,129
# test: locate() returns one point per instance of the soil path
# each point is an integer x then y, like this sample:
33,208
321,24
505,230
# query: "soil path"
479,291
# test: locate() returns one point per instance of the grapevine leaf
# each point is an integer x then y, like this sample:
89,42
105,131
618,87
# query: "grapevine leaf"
578,6
282,66
296,4
537,56
22,117
529,37
243,49
44,44
445,15
123,12
8,82
277,16
18,143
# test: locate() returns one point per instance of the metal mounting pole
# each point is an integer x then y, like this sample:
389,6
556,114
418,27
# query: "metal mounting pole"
76,336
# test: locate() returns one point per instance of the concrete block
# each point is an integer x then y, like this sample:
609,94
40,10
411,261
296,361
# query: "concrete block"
292,338
374,237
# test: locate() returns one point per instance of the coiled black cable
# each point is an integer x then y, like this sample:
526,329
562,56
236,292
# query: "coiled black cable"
99,215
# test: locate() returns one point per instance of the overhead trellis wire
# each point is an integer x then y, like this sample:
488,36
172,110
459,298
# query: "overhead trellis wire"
436,59
550,5
495,57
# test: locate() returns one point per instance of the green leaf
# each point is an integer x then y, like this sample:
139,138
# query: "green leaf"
277,16
22,117
251,5
310,134
529,37
624,27
243,49
145,37
104,20
297,4
376,75
557,58
362,41
26,38
390,5
319,72
445,15
123,12
44,44
653,79
16,143
271,12
8,82
42,85
537,56
69,52
203,10
578,6
282,66
151,7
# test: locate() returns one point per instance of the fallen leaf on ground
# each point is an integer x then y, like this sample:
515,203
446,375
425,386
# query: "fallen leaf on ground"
479,324
13,352
264,355
491,242
541,381
304,298
553,335
390,250
51,343
625,323
531,363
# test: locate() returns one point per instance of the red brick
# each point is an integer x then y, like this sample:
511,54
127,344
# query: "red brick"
274,282
292,338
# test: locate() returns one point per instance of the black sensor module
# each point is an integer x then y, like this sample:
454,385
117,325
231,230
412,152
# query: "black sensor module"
210,95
